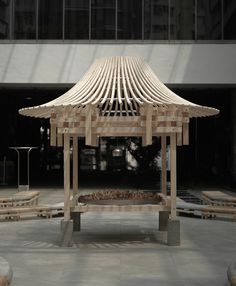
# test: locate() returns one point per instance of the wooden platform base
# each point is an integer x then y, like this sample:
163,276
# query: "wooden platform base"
119,208
16,213
218,198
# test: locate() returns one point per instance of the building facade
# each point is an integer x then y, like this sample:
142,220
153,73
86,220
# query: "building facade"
46,47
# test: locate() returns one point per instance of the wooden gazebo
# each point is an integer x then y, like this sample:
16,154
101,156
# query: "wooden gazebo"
118,96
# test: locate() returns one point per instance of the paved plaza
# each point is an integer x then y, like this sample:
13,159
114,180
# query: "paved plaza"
116,249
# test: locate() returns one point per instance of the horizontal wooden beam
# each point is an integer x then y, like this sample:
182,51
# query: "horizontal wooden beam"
117,208
119,131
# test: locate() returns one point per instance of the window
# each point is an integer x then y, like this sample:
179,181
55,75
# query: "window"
25,19
4,19
156,19
103,19
118,19
50,19
76,19
209,20
229,19
182,19
129,19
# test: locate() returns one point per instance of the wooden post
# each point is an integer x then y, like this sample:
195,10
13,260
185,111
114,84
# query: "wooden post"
75,165
66,176
88,125
53,135
173,174
59,139
147,137
179,139
185,134
163,164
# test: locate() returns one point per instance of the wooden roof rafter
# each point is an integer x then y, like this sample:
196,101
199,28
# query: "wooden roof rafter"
117,87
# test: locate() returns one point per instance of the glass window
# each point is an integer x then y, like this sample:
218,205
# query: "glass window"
76,19
129,19
25,19
103,19
4,19
182,20
156,19
209,20
50,19
229,19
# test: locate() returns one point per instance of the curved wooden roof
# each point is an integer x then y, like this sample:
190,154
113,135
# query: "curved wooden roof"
118,86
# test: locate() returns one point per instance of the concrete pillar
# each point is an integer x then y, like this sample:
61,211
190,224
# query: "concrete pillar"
66,232
173,232
76,217
163,220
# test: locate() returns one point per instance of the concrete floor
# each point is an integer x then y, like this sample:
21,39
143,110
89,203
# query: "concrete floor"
112,249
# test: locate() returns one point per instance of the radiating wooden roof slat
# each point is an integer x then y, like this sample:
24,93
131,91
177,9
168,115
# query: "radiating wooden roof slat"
121,84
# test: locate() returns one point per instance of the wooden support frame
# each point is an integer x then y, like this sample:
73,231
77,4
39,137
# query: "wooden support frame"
173,175
121,97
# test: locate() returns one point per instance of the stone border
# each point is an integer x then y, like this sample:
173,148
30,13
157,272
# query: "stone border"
6,272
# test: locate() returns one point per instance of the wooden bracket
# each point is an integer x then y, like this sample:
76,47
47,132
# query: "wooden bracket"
185,134
59,139
147,137
88,125
179,139
53,135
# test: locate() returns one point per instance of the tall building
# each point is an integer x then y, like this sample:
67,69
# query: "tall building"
46,47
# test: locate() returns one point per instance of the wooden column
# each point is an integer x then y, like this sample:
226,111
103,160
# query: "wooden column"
148,139
88,125
163,164
173,174
59,139
75,165
185,134
53,135
66,176
147,135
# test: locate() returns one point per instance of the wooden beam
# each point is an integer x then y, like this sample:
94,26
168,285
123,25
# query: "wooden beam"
147,126
179,139
163,165
88,125
66,176
149,111
59,139
75,165
173,175
185,134
53,135
94,142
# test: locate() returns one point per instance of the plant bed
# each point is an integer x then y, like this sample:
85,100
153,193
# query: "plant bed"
121,198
